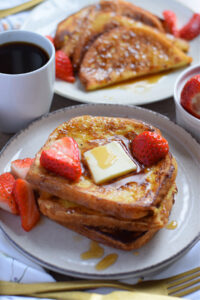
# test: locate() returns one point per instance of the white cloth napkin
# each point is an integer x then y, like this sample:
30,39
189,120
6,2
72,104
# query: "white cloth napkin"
16,267
14,21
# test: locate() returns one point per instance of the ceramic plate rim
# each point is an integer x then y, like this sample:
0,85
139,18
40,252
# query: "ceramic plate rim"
149,269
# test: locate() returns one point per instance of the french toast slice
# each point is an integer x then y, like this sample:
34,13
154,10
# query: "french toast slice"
70,30
128,52
103,22
127,9
129,197
120,239
66,212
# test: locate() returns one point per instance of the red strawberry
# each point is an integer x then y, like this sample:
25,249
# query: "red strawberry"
149,147
64,68
62,158
191,29
7,201
24,196
20,167
190,96
170,22
50,38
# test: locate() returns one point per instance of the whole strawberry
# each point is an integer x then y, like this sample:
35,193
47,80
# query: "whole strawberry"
190,96
64,69
149,147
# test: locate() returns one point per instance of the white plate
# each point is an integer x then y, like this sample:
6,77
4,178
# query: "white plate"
44,18
59,249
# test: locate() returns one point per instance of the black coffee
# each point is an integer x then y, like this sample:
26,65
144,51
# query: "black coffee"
21,57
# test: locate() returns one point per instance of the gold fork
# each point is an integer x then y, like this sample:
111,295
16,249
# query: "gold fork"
13,10
178,285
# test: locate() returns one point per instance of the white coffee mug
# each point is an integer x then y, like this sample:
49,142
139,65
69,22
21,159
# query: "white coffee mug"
26,96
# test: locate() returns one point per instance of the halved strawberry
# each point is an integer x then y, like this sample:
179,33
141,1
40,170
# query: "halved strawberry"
20,167
7,201
62,158
191,29
64,69
170,22
24,196
190,96
149,147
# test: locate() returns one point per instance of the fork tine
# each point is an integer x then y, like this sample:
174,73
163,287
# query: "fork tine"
181,275
187,292
181,281
184,286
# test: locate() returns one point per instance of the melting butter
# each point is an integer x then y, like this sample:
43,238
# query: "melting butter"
172,225
95,251
108,162
106,262
104,157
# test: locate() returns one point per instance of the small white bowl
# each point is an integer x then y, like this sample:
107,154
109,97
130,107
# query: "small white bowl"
184,118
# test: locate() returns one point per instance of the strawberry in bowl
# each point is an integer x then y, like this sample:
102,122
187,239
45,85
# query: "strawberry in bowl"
187,100
190,96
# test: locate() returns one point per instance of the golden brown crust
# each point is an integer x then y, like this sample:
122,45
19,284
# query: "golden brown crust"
133,200
67,212
128,52
127,9
105,21
69,31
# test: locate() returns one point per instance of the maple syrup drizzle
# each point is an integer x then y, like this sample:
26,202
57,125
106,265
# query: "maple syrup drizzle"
95,251
140,179
172,225
106,262
143,81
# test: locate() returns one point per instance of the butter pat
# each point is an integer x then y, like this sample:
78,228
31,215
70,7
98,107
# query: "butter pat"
108,162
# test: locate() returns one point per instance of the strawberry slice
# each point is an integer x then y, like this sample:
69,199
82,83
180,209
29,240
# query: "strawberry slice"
191,29
20,167
50,38
24,196
7,201
62,158
64,69
149,147
190,96
170,22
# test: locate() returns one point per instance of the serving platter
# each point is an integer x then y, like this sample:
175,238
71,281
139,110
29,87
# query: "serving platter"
143,91
60,249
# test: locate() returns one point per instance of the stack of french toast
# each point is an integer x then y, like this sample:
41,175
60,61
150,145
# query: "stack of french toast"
123,210
114,40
